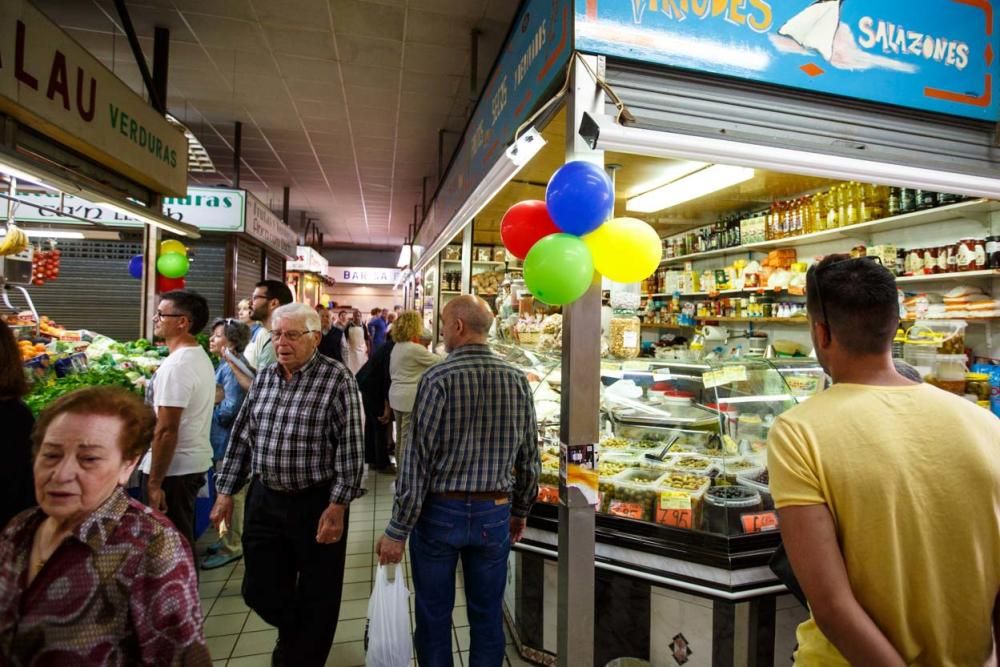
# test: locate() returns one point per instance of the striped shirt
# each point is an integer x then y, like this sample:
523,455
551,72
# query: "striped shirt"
473,430
294,434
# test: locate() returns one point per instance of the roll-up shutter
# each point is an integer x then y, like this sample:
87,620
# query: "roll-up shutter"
275,266
249,268
755,113
207,274
93,291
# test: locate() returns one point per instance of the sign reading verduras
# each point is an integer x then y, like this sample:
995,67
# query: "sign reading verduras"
52,84
935,55
364,275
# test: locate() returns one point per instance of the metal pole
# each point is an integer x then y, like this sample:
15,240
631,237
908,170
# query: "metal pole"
150,253
140,59
285,198
579,421
467,237
237,152
161,65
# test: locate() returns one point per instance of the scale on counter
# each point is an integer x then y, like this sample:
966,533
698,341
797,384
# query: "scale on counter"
15,274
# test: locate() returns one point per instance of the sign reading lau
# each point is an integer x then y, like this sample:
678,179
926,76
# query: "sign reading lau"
533,58
364,275
935,55
51,83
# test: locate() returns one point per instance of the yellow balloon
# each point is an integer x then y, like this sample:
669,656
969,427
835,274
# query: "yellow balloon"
173,245
625,250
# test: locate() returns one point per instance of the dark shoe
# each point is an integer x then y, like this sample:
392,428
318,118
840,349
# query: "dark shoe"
214,548
218,560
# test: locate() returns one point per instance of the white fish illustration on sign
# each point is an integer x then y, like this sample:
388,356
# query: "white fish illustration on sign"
815,27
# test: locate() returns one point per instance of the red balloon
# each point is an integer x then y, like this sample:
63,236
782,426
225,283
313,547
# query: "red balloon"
524,224
164,284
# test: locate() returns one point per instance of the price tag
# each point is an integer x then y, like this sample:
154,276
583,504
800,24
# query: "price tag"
661,376
759,522
674,509
737,373
624,509
713,378
630,339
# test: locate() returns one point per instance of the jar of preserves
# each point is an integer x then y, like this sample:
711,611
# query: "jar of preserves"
979,385
980,262
953,258
993,252
966,255
942,259
900,267
930,261
914,261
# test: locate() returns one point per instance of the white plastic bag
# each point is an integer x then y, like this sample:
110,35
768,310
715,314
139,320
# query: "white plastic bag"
387,637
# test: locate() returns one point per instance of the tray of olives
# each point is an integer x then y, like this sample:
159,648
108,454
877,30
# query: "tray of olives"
632,494
613,463
694,463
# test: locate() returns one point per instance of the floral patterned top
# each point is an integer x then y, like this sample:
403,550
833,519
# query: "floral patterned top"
121,590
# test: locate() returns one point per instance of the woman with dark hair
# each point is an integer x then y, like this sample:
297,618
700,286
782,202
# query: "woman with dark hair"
228,340
16,490
92,577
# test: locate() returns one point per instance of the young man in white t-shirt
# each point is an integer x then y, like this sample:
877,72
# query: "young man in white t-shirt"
183,397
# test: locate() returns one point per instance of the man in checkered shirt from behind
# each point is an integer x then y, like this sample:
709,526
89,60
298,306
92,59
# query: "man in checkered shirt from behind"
299,443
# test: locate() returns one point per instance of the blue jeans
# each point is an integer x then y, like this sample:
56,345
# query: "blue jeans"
479,532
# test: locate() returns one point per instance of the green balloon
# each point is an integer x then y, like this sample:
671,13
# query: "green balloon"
558,269
172,265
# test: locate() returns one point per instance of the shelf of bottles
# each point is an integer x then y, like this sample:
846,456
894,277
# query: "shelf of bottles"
847,210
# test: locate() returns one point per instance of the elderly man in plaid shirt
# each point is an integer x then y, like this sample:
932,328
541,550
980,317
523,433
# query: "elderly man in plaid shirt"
469,477
298,441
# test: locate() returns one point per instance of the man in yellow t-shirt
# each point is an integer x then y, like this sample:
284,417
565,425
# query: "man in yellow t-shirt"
888,494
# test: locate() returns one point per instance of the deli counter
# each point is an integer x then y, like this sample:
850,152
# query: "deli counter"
685,521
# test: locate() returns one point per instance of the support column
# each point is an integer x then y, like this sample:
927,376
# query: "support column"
237,152
467,236
150,253
580,418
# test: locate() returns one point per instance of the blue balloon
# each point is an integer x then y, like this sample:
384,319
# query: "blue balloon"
135,267
580,197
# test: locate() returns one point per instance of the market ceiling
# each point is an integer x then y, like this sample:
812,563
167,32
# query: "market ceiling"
342,100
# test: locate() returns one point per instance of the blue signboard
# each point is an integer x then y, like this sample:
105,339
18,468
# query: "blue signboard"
935,55
532,60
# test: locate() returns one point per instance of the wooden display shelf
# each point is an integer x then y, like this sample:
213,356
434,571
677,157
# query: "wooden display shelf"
905,220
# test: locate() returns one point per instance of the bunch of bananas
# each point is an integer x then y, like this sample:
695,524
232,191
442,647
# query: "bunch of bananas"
14,242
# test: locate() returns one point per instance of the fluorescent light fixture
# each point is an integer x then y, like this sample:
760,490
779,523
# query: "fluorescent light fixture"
696,185
25,176
610,136
404,256
152,218
669,174
49,233
525,148
519,154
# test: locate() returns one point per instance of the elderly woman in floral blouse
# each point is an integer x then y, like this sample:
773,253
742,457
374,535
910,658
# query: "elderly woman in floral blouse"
92,577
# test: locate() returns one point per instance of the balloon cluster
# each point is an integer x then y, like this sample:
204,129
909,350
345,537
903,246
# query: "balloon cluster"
171,266
564,239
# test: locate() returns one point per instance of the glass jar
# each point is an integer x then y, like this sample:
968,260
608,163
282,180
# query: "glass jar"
930,261
978,384
625,334
966,255
907,200
893,203
993,252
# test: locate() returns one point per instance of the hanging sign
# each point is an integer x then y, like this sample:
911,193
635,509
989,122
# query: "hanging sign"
265,226
307,259
364,275
532,60
52,84
934,55
208,209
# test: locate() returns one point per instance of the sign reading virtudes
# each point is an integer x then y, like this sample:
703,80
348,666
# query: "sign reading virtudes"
935,55
53,85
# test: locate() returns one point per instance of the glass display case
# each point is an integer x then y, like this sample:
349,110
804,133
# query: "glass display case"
683,445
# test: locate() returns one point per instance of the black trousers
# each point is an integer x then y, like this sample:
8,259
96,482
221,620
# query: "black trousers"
376,438
291,581
181,492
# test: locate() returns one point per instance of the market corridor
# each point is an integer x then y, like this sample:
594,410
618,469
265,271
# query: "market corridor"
237,637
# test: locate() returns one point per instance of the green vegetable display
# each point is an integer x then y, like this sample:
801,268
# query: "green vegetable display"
46,391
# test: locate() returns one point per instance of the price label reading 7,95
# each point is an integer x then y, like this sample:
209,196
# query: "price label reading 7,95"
674,509
759,522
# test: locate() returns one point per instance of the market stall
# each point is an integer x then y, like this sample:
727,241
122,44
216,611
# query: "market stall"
306,275
747,174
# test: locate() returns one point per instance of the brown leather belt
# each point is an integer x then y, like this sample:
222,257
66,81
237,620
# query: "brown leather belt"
472,495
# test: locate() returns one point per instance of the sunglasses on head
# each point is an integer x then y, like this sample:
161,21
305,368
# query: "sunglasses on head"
816,270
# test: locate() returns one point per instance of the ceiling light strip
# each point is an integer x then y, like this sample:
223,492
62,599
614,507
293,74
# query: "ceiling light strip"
693,186
654,143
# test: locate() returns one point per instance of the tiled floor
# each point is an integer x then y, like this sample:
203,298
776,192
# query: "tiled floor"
237,637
